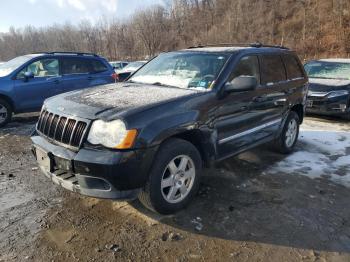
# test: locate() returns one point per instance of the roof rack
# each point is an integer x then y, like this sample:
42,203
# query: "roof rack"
256,44
68,53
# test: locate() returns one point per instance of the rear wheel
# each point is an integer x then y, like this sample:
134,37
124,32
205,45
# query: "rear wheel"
174,178
286,141
347,116
5,112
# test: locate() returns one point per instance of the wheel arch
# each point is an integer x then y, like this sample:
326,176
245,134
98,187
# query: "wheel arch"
196,138
8,100
299,109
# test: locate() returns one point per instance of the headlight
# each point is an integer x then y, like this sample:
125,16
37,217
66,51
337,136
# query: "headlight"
338,93
111,134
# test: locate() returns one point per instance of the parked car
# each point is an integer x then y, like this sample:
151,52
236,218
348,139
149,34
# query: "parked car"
329,91
26,81
129,69
151,135
118,65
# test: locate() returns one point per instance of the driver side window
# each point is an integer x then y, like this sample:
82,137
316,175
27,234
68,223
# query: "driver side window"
41,68
247,66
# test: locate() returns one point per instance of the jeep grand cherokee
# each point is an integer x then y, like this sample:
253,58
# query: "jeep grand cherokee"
150,137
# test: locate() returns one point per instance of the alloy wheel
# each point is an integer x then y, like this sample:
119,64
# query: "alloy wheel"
3,113
291,133
178,179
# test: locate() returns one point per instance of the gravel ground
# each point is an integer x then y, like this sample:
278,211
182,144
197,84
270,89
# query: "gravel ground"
254,207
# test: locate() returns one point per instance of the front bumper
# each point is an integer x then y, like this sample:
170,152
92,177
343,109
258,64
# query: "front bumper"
99,173
328,106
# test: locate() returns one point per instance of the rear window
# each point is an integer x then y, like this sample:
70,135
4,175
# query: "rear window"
272,69
293,67
75,66
98,66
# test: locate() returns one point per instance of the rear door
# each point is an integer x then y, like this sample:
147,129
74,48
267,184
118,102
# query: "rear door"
75,73
271,99
296,85
100,73
31,93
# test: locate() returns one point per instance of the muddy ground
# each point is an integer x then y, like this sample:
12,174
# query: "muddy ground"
245,210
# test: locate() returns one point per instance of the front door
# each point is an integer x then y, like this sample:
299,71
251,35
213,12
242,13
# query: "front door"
235,119
31,93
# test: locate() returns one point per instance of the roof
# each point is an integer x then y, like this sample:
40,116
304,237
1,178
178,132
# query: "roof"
226,48
217,48
65,53
335,60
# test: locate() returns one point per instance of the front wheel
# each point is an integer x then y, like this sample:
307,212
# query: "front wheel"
174,177
5,112
286,141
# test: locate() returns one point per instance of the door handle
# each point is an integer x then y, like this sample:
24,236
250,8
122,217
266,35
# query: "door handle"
90,78
259,99
291,90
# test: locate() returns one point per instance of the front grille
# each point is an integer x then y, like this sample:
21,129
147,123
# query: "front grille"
62,129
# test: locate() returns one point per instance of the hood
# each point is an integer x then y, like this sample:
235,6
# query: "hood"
327,85
115,98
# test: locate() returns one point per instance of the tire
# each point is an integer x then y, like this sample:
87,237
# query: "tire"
346,117
170,186
282,144
5,112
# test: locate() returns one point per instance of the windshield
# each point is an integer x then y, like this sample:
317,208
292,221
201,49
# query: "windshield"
182,69
329,70
8,67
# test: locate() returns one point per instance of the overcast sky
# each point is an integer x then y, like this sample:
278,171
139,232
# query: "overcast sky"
19,13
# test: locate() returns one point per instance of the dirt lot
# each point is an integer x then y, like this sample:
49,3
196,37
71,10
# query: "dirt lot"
259,206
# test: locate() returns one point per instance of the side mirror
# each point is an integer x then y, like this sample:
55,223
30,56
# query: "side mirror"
28,75
241,83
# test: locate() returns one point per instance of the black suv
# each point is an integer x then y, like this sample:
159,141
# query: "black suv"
151,135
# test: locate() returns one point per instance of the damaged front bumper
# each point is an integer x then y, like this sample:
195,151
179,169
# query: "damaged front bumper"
94,172
324,105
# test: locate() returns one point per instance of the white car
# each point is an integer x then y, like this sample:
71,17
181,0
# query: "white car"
132,67
118,65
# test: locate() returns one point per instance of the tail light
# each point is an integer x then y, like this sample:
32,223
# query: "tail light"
115,76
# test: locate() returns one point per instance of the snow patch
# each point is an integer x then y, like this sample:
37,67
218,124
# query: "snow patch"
322,154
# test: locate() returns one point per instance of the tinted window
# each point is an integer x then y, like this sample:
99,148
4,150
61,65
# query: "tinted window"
248,66
292,66
98,66
42,68
272,69
75,66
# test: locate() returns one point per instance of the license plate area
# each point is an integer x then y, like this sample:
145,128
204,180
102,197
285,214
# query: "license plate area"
43,159
309,103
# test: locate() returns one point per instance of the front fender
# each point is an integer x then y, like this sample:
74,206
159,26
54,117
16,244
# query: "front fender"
162,128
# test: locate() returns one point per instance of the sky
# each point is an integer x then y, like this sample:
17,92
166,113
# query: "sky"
40,13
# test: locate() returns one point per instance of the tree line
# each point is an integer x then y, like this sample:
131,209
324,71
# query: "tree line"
314,28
